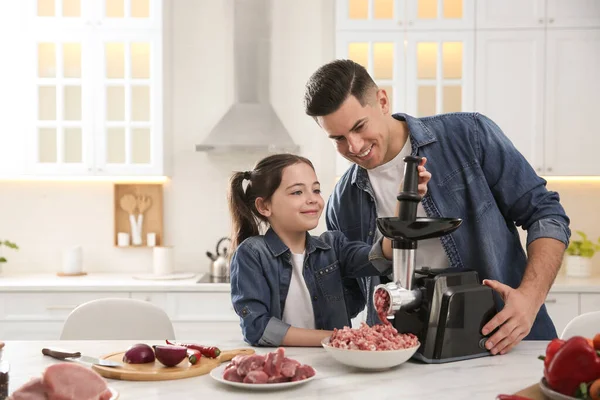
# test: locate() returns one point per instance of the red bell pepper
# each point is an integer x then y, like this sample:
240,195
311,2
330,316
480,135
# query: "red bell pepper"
211,352
551,350
574,363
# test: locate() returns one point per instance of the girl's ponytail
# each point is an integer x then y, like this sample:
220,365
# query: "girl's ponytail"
243,222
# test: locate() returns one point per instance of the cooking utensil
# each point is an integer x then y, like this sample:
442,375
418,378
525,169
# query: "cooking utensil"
143,204
129,204
78,357
157,372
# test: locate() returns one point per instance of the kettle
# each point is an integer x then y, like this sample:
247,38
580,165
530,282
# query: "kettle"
219,267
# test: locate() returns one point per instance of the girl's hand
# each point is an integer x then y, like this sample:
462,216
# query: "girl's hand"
424,177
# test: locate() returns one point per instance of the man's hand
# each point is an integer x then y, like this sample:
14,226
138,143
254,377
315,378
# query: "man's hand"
424,177
515,319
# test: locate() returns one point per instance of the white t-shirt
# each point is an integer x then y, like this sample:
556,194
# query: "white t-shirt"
298,310
387,180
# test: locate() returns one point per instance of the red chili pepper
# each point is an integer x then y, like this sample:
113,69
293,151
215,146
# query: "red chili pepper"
574,363
194,356
551,350
211,352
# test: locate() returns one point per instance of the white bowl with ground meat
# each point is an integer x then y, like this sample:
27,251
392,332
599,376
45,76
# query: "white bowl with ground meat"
376,347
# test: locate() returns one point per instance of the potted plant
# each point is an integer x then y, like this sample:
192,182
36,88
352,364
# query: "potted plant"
8,244
579,256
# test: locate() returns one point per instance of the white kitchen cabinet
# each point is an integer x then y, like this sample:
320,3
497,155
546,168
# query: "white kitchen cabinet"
572,86
511,14
94,79
27,330
541,86
439,72
440,15
202,306
365,15
562,308
51,306
41,315
399,15
573,13
509,86
196,314
589,302
190,331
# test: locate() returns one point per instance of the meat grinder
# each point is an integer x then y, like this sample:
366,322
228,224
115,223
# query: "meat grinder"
445,308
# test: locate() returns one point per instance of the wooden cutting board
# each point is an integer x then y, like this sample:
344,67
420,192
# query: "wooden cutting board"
532,392
157,372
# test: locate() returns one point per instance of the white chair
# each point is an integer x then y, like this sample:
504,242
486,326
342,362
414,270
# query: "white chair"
117,319
586,325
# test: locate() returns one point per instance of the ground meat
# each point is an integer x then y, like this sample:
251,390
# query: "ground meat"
377,338
273,367
382,305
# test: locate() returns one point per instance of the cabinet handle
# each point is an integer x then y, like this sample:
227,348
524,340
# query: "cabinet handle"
550,301
538,169
551,20
410,23
549,169
60,307
541,20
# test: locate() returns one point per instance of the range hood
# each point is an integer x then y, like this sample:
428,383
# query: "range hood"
251,124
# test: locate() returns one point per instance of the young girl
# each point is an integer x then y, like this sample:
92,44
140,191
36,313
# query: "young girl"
286,285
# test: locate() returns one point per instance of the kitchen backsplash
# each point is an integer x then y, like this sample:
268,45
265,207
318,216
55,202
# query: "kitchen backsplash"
46,218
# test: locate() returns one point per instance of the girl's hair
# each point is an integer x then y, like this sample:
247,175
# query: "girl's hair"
264,180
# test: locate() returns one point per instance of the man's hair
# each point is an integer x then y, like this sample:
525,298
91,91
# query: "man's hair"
332,83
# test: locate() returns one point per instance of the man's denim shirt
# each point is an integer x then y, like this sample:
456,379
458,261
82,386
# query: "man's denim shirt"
261,271
477,175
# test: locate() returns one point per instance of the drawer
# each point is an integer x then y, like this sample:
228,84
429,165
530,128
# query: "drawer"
589,302
562,308
157,298
193,306
203,306
30,330
54,306
200,331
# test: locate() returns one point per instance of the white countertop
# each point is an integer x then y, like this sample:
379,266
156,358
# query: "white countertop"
481,378
126,282
48,282
566,284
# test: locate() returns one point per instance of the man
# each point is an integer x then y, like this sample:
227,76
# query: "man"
477,175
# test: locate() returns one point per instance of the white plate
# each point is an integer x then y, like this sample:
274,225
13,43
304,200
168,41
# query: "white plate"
217,374
551,394
368,359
